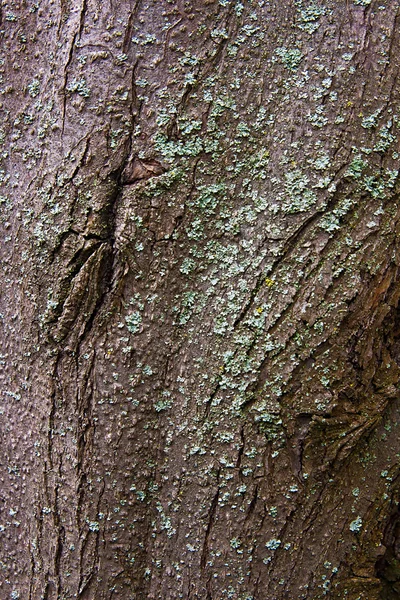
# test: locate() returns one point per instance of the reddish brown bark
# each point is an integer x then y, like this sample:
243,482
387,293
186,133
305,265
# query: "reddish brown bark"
200,326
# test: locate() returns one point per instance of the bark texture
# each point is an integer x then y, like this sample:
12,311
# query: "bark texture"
199,302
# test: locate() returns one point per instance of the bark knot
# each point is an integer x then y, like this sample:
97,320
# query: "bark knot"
138,169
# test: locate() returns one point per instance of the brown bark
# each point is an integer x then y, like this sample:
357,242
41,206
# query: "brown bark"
199,304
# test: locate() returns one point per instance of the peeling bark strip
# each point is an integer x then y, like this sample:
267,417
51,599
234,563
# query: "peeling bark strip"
200,355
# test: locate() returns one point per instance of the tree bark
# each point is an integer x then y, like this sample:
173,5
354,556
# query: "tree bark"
200,300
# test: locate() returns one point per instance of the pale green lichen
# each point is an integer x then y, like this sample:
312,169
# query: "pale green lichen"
79,86
356,167
309,15
356,525
290,57
385,138
34,88
371,120
188,265
133,322
301,198
273,544
318,119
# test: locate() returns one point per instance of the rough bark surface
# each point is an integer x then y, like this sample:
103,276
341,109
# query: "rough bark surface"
200,300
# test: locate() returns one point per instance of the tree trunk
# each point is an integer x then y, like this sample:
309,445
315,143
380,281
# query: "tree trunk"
200,300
